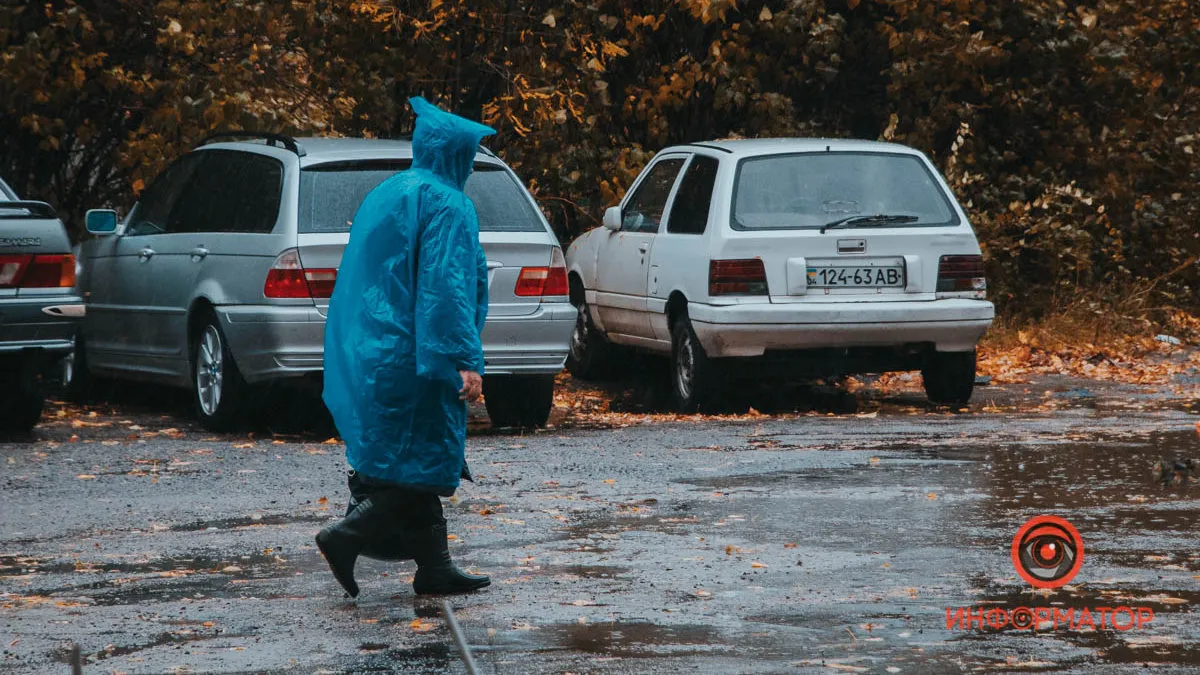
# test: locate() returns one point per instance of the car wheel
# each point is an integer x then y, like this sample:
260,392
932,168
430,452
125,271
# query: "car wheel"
692,381
518,401
74,377
949,377
590,355
21,402
219,392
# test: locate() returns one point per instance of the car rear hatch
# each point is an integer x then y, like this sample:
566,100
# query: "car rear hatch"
518,245
840,227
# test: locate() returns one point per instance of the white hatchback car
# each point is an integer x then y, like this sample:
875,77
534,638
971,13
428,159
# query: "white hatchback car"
783,258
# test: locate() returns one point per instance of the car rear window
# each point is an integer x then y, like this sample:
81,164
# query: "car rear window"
812,189
331,193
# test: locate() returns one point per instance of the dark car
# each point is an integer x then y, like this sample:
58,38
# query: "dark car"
39,307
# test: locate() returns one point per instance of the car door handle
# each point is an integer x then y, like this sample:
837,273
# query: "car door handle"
644,246
145,254
494,264
199,253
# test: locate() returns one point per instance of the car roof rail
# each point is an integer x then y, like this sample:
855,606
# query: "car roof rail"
272,139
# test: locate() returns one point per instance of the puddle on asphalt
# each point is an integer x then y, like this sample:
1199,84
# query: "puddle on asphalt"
1083,475
637,639
225,524
160,580
601,572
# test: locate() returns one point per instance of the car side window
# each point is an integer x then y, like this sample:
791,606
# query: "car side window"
234,192
689,215
152,213
644,211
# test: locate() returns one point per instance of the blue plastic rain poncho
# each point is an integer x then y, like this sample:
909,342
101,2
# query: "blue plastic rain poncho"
407,311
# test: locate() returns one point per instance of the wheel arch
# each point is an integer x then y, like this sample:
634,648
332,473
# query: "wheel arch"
677,305
199,308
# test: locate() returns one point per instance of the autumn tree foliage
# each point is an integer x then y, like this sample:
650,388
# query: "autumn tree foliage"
1070,130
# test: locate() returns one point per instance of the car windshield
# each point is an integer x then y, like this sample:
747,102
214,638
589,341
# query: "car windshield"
814,189
331,193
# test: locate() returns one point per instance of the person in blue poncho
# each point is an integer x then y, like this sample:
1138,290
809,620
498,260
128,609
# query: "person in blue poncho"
403,357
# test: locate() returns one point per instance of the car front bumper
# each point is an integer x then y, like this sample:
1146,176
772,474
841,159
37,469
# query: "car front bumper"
280,341
951,325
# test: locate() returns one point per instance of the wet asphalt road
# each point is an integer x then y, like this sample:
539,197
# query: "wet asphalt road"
811,543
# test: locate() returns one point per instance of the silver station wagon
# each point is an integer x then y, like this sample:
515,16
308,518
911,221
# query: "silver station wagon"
219,278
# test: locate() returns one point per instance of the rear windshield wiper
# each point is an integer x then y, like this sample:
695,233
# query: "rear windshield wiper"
876,219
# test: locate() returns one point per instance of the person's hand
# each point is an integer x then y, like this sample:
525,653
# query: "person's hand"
472,385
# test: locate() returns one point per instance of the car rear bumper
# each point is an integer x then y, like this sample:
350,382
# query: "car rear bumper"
749,330
26,326
533,344
273,342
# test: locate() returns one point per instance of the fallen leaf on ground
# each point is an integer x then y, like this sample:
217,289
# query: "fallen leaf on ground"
757,564
86,476
420,625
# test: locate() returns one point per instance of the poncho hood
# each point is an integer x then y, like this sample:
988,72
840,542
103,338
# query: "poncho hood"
445,144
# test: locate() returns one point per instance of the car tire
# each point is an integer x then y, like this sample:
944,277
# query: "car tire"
21,402
219,393
693,380
518,401
590,355
21,399
949,377
74,377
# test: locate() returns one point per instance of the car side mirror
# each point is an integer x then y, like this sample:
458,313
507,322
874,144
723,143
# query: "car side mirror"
101,221
612,218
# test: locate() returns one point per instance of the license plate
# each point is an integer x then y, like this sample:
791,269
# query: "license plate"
874,276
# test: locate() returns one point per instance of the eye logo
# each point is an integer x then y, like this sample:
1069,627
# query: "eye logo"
1047,552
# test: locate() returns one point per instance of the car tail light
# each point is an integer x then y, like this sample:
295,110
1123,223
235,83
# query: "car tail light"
289,279
737,277
544,281
37,271
961,274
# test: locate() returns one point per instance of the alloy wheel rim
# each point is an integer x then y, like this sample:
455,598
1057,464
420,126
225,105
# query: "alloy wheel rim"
685,363
210,372
68,369
579,335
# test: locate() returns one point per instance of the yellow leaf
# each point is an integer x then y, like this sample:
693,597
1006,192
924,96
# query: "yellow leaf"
85,476
931,496
757,565
550,20
420,625
610,481
242,446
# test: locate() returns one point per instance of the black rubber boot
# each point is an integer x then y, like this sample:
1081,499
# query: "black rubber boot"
436,573
342,542
389,542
